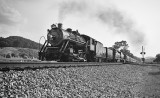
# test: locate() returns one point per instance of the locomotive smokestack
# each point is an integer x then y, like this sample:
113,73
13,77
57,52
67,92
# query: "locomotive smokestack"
60,25
53,26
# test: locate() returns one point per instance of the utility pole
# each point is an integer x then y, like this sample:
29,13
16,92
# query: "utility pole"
143,53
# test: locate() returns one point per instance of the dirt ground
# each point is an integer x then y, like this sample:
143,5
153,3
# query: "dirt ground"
111,81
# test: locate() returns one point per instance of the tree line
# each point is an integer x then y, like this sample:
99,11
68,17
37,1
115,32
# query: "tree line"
123,47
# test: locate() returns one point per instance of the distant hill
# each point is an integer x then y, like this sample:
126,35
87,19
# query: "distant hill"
149,59
17,41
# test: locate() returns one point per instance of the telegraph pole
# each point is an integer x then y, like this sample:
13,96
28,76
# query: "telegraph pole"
143,53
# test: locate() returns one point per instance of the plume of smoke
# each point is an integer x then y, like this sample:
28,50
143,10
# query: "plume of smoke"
71,7
123,25
109,16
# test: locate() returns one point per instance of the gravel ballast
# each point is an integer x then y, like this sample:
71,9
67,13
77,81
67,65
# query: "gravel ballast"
111,81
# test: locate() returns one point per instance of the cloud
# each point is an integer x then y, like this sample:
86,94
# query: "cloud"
11,19
9,15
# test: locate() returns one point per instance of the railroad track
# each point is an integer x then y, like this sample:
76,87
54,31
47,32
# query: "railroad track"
5,66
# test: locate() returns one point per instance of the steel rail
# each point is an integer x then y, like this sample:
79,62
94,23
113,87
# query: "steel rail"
45,64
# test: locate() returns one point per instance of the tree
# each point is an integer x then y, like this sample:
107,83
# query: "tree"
121,45
8,55
16,43
13,55
23,55
3,44
157,58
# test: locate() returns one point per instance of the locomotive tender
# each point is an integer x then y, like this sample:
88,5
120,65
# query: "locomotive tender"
65,45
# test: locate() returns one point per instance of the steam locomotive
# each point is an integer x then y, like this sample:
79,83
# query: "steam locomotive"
65,45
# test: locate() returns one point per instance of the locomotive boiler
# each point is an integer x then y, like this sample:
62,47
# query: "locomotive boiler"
57,35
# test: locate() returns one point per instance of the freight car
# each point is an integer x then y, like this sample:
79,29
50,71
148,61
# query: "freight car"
65,45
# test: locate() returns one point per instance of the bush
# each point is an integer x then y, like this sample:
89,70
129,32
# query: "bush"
8,55
157,58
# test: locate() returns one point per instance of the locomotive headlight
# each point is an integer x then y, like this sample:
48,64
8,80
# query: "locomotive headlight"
53,37
49,36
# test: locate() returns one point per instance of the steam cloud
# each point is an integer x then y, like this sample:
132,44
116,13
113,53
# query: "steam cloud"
106,15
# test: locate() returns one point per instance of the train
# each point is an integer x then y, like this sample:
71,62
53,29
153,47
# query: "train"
67,45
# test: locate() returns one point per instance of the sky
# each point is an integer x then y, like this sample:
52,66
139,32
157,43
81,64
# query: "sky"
108,21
